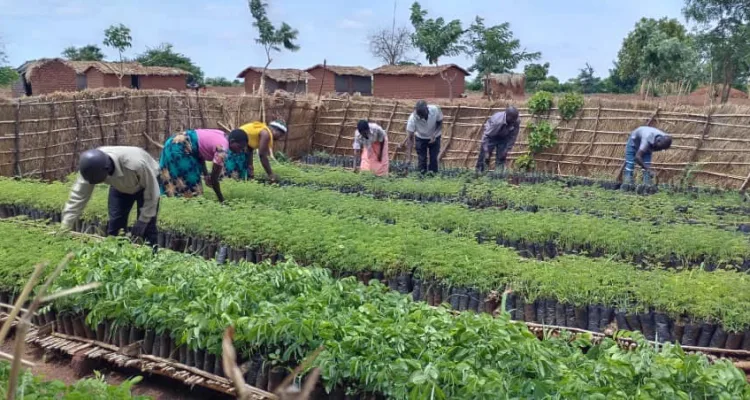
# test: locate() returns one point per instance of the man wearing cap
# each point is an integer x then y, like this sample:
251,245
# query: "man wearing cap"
260,137
131,174
425,125
371,148
500,133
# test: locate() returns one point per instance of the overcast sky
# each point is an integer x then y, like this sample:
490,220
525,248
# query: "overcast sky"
218,34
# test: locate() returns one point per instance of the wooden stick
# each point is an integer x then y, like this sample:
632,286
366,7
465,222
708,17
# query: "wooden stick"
17,140
46,142
35,275
152,141
148,126
15,368
168,124
200,109
388,126
450,134
77,143
10,357
322,80
590,146
288,120
341,128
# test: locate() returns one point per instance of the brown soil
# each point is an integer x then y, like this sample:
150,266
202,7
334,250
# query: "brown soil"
157,387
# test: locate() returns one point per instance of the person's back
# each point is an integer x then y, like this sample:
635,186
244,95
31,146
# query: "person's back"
645,137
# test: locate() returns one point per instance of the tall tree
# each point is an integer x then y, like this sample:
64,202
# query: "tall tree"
535,73
494,48
90,52
165,56
723,39
436,39
586,82
118,37
272,39
657,51
391,46
8,75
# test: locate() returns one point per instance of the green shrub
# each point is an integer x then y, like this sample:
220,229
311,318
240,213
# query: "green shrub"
569,104
541,102
525,162
541,137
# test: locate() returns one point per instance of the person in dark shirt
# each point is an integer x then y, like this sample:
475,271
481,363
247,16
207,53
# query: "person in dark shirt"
500,134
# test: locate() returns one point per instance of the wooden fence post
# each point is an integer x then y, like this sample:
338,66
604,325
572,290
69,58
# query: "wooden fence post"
98,117
123,115
168,124
390,120
479,131
148,125
744,184
289,122
17,141
590,146
200,110
189,113
450,133
341,127
698,145
77,143
311,143
50,127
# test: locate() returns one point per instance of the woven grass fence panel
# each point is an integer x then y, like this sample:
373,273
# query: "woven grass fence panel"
43,136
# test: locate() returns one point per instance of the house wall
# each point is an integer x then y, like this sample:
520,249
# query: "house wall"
163,82
328,83
252,80
416,87
442,87
18,90
53,76
403,86
96,79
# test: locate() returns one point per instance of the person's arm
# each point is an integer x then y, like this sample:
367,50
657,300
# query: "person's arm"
250,165
204,172
263,151
411,127
79,197
639,157
151,192
512,139
357,159
215,180
380,153
438,125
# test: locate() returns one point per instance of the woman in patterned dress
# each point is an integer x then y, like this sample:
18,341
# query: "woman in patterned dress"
183,161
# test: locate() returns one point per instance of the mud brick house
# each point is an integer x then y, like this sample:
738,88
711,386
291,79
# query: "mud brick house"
287,79
505,85
340,79
59,75
418,82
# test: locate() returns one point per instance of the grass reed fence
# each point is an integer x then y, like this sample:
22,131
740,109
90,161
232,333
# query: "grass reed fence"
42,137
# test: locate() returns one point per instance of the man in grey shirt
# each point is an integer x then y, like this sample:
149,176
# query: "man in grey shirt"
131,173
425,125
500,133
643,141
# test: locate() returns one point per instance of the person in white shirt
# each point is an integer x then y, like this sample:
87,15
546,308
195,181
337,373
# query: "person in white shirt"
371,148
131,173
643,141
425,125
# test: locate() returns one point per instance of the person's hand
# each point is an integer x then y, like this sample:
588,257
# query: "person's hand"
273,178
208,180
432,140
139,229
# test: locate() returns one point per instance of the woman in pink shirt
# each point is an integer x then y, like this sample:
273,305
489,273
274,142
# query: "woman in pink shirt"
183,161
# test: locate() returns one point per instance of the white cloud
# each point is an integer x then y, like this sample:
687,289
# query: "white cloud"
364,13
347,23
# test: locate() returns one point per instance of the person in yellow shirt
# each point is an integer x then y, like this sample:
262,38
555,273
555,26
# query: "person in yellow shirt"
260,137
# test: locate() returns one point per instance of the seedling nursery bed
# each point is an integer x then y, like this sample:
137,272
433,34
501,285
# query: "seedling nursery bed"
377,343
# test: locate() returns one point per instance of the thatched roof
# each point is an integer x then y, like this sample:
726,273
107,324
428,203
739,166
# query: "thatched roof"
279,74
509,79
130,68
417,70
109,68
343,70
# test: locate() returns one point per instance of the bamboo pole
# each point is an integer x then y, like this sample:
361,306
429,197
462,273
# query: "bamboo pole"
706,128
17,140
388,126
288,122
77,143
590,146
49,136
450,134
341,128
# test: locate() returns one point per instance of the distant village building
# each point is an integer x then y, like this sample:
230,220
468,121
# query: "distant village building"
59,75
287,79
419,82
505,85
341,79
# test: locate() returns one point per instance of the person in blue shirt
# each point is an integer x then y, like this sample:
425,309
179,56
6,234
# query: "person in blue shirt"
642,143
